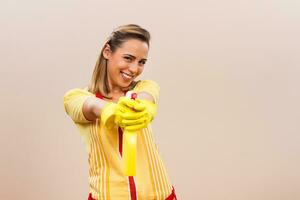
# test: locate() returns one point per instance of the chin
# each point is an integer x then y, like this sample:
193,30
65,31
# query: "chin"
125,84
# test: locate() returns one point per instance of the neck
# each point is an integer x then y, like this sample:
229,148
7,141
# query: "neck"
115,93
116,90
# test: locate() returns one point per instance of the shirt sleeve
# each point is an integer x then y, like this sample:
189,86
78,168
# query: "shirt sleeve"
73,103
150,87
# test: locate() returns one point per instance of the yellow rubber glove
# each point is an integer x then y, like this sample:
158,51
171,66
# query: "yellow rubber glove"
144,112
113,113
108,114
150,108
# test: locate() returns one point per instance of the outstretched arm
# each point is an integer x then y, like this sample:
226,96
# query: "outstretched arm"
92,108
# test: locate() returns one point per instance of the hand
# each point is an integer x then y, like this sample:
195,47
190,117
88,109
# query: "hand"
114,113
141,114
150,108
130,115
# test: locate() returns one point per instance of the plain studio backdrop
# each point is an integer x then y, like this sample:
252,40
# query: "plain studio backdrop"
228,121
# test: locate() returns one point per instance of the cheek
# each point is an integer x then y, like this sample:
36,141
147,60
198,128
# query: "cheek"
140,70
113,69
121,65
116,67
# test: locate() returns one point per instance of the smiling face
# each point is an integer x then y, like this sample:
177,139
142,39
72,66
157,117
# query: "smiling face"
125,63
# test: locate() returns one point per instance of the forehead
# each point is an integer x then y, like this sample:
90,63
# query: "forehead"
134,47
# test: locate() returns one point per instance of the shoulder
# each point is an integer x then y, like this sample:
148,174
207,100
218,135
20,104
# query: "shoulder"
146,83
149,86
78,92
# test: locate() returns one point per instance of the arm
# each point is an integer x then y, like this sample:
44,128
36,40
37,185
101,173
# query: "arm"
146,96
148,90
92,108
83,107
73,102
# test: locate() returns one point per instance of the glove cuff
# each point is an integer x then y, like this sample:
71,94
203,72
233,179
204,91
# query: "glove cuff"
107,114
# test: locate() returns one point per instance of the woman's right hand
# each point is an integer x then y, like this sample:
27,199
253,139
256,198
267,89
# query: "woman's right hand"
130,114
125,110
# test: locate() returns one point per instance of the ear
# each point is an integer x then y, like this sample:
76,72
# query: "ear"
107,52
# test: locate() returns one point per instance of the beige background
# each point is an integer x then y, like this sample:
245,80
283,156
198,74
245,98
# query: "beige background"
228,122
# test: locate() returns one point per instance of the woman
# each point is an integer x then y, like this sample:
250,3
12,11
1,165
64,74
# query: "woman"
102,113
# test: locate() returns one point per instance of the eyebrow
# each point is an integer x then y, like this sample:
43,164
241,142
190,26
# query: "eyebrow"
134,56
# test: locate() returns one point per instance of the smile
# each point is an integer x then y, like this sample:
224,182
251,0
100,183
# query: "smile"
127,76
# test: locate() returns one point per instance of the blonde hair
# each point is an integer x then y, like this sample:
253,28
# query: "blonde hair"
99,80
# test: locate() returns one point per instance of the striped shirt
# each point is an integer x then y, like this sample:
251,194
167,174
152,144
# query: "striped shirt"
106,177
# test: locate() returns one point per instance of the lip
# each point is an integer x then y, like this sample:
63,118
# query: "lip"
126,77
129,75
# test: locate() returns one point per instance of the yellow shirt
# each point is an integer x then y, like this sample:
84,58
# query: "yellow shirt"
106,178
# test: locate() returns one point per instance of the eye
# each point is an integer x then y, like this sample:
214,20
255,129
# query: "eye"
142,62
127,58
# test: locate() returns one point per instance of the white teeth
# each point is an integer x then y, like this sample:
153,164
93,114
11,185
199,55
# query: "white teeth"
126,75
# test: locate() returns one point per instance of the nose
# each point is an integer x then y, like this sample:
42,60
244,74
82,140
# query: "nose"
133,68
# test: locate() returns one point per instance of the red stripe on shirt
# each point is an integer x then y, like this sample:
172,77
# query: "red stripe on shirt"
120,140
132,188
